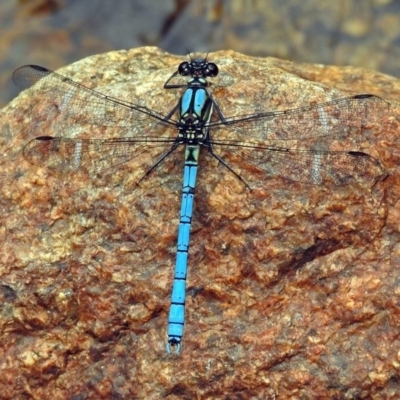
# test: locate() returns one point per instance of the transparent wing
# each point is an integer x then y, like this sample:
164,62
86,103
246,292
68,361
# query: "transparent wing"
81,104
333,118
65,155
337,117
85,106
306,165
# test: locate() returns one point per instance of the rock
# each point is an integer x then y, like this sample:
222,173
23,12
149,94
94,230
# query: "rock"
292,288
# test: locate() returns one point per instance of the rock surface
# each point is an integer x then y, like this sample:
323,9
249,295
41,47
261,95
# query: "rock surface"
293,289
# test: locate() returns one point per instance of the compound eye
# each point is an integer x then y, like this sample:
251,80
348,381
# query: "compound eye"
184,68
212,70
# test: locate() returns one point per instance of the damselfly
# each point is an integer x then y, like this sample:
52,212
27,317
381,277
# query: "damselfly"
262,139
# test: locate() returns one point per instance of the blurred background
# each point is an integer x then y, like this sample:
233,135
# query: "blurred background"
54,33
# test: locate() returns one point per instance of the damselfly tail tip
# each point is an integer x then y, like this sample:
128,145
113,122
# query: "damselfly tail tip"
173,346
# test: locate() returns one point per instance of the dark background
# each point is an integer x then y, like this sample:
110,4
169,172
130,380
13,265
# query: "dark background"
54,33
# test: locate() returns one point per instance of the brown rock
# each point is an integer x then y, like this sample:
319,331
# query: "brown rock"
292,288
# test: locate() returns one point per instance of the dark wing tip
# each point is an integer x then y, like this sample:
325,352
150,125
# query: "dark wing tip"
27,75
44,138
38,68
363,96
358,154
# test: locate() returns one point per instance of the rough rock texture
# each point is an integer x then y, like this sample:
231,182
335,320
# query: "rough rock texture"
293,290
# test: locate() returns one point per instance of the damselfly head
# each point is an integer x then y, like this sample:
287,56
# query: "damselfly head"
198,68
